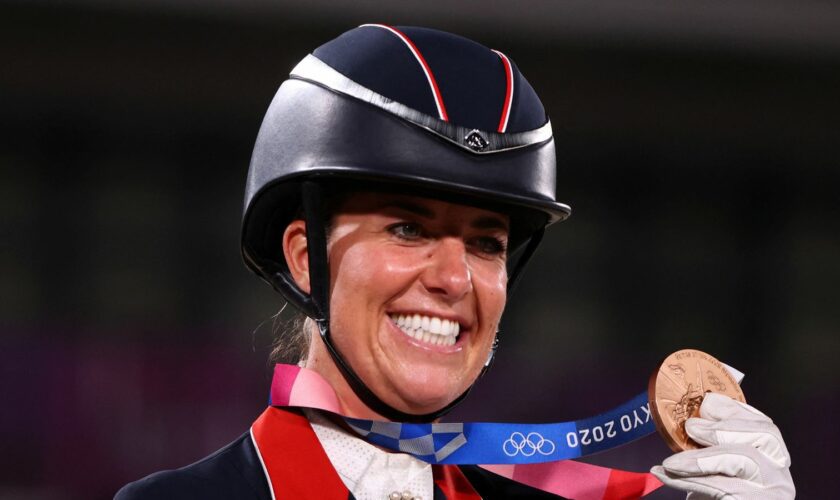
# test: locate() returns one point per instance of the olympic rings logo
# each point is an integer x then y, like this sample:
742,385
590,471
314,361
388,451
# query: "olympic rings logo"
527,445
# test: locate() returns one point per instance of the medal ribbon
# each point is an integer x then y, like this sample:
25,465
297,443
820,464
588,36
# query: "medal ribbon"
510,443
533,454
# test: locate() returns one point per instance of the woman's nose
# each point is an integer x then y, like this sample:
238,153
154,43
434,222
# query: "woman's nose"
448,272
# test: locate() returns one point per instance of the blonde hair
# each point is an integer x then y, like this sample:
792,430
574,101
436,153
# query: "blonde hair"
291,337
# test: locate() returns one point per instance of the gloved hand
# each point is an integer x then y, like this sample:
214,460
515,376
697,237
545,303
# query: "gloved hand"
746,455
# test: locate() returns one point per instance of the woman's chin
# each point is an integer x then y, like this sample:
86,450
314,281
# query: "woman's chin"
426,395
425,406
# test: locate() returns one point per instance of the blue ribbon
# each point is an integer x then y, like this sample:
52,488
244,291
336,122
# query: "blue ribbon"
506,443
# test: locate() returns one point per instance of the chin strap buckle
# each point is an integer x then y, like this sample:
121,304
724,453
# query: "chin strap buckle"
323,327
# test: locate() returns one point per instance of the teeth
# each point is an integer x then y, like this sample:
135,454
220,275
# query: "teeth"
431,330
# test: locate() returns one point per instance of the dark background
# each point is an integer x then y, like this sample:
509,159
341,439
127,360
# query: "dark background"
697,146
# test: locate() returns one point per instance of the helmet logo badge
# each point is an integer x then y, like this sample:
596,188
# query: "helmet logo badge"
476,141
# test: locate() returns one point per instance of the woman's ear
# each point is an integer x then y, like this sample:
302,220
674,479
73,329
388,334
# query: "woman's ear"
295,250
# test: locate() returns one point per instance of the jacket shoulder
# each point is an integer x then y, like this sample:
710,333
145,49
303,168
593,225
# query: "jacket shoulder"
231,472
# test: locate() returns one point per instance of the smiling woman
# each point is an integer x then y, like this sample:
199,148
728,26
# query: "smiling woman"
400,181
380,111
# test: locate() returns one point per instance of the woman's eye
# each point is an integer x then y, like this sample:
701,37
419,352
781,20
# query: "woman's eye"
406,230
490,245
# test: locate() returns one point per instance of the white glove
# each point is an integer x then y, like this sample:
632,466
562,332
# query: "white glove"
746,455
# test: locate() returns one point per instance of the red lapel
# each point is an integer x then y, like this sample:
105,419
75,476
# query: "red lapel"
453,483
293,459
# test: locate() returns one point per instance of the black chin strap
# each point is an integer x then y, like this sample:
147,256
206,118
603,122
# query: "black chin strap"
319,283
528,252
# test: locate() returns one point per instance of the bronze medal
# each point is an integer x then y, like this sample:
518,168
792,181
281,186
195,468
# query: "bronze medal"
677,388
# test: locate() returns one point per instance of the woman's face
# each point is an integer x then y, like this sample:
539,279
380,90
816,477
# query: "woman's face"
417,291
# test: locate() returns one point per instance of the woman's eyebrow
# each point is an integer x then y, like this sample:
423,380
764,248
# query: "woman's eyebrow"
489,222
482,222
412,208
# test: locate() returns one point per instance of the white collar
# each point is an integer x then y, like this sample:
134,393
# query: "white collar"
369,472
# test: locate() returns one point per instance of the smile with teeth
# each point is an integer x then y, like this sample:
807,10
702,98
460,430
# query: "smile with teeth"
428,329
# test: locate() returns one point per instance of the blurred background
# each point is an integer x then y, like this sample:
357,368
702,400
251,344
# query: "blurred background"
698,146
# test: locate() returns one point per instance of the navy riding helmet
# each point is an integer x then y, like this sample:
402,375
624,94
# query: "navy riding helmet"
410,108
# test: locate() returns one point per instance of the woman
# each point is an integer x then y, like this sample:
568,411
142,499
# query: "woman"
400,182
